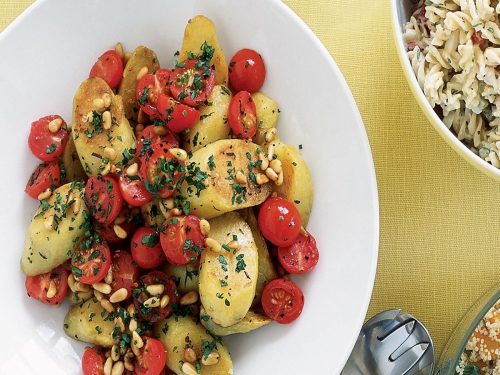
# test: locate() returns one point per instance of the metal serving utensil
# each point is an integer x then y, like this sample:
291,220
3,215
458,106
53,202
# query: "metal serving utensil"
392,343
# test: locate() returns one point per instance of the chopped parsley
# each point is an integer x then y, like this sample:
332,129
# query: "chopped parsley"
51,149
240,265
150,240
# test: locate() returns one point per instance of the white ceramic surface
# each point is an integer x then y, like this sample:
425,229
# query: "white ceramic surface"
48,51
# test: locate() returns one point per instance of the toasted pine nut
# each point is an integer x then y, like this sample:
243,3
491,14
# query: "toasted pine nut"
132,170
106,120
168,203
98,104
279,181
188,369
204,227
165,299
71,282
189,298
174,212
52,290
135,349
45,194
131,309
77,205
271,134
155,289
81,287
152,302
55,125
137,339
126,58
119,49
106,98
241,178
110,153
179,153
211,359
106,169
118,368
142,72
261,179
264,162
213,245
118,296
120,324
109,276
160,130
119,231
83,296
270,152
271,174
190,355
107,305
129,366
275,164
234,245
49,223
108,366
132,326
89,117
102,287
98,295
115,353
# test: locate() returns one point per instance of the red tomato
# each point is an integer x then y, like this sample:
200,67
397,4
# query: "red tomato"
279,221
247,71
193,83
152,358
125,271
242,115
44,144
149,141
146,248
148,89
92,362
103,197
38,286
301,256
109,67
46,175
108,233
282,300
133,191
163,172
177,116
155,314
91,264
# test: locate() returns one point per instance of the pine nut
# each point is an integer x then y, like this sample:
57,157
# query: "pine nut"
160,130
120,324
98,104
204,227
279,181
107,305
275,164
188,369
165,299
98,295
89,117
270,152
115,353
110,153
137,339
155,289
81,287
264,162
234,245
106,98
271,134
131,309
49,223
119,49
179,153
127,57
132,326
109,276
213,245
119,231
190,355
129,366
83,296
241,178
55,125
135,349
77,205
132,170
118,296
45,194
142,72
189,298
102,287
118,368
152,302
52,290
106,120
261,179
168,203
106,169
108,366
211,359
271,174
71,282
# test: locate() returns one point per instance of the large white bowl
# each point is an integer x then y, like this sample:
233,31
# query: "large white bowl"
401,13
48,51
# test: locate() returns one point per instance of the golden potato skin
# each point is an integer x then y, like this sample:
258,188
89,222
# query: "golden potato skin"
85,322
71,162
250,322
142,56
221,194
213,123
187,276
267,115
45,249
176,332
228,302
198,30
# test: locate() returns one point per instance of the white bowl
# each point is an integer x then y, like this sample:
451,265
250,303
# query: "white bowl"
49,50
401,13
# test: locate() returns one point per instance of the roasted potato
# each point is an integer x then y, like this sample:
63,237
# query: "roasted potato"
228,279
76,298
71,162
200,29
250,322
220,161
88,322
53,229
267,115
212,125
178,333
142,56
187,277
90,137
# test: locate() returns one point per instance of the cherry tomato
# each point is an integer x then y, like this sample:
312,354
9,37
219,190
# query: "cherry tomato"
91,264
148,89
247,71
109,67
182,240
301,256
92,362
193,83
149,141
38,286
155,314
177,116
163,172
103,197
152,358
282,300
242,115
44,144
125,271
146,248
279,221
46,175
108,233
133,191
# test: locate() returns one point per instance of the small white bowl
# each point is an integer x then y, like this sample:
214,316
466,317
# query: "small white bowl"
401,12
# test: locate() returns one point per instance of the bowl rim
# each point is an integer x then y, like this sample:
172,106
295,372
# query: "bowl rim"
433,118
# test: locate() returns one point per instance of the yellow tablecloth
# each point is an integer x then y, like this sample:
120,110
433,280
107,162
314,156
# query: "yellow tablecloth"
440,217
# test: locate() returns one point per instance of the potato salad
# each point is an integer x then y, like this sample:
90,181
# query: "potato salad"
171,213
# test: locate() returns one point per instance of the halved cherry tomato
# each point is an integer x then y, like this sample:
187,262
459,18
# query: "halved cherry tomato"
279,221
152,358
148,89
301,256
247,71
177,116
146,248
193,83
182,240
149,141
242,115
44,144
91,264
282,300
103,197
38,286
108,233
109,67
155,314
46,175
133,191
125,271
92,362
162,173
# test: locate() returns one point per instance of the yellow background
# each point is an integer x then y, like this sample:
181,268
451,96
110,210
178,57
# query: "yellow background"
440,218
